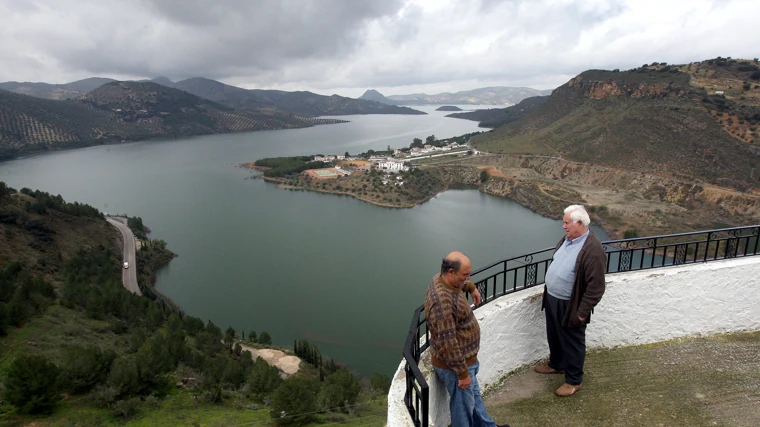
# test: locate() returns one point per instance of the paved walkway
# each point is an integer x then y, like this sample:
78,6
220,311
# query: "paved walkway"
711,381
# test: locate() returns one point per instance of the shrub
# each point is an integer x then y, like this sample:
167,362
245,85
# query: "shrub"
380,383
32,385
339,391
631,234
125,408
294,402
86,367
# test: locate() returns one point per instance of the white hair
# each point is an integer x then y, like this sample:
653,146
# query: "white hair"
578,213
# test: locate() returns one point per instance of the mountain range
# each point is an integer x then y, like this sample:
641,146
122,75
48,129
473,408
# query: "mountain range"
300,103
499,95
126,111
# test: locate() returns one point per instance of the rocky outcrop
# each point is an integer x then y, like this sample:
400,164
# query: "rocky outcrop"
596,89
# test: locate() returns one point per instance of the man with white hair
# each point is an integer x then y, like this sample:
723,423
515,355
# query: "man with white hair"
574,286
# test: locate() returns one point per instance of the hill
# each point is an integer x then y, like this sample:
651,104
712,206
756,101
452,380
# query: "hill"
499,95
56,91
301,103
660,119
125,111
448,108
373,95
495,117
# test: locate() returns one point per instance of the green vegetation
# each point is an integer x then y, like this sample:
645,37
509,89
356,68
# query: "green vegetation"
71,330
125,111
281,166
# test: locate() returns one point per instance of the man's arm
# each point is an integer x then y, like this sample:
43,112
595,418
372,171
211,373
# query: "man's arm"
594,274
474,292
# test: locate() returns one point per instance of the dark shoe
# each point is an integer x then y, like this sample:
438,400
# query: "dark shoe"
502,425
546,369
567,390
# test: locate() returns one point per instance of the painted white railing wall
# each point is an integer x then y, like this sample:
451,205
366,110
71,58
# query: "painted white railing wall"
638,308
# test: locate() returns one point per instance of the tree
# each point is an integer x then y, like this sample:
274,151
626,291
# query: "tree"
228,340
416,143
265,339
237,350
347,155
483,176
380,383
339,390
231,331
430,139
263,378
252,336
86,367
32,384
294,402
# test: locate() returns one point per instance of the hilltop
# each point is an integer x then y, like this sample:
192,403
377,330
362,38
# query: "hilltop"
495,117
691,122
498,95
56,91
125,111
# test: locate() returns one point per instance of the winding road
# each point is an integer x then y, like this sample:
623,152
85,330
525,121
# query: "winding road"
128,275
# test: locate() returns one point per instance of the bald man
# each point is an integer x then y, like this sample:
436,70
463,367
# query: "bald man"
455,340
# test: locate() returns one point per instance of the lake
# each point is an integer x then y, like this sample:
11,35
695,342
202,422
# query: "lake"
336,271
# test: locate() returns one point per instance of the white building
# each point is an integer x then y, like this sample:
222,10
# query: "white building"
392,166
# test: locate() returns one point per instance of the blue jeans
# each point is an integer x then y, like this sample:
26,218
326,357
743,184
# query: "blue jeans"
466,405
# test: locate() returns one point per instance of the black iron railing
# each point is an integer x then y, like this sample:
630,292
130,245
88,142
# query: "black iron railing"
526,271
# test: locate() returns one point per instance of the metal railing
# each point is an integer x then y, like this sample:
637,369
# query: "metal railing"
526,271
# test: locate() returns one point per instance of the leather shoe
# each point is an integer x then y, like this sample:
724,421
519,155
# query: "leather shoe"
502,425
567,390
546,369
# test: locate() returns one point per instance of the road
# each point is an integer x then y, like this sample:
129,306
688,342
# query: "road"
128,275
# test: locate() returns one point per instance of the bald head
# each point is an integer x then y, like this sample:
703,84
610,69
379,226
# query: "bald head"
456,269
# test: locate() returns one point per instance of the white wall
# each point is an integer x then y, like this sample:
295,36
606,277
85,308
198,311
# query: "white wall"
638,308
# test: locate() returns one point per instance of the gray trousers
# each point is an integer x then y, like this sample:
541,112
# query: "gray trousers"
567,346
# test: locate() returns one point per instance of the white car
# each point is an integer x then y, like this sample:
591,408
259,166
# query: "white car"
126,265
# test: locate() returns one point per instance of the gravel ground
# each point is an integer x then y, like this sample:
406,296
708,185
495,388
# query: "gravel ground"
711,381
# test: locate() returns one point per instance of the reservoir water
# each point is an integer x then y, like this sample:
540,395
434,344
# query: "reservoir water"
336,271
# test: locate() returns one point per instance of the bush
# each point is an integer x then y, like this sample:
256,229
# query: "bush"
32,385
339,391
86,367
294,402
631,234
483,176
380,383
263,378
125,408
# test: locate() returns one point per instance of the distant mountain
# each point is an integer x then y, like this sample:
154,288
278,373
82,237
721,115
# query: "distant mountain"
495,117
694,121
55,91
301,103
373,95
125,111
500,95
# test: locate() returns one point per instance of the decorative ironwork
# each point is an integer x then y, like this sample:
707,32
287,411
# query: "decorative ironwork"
680,255
530,275
631,254
626,257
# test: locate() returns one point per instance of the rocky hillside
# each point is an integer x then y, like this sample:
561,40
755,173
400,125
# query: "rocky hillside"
653,119
125,111
495,117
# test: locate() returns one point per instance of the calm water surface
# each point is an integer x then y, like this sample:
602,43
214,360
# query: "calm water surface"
331,269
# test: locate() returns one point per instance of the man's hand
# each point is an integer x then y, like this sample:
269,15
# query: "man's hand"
475,296
465,382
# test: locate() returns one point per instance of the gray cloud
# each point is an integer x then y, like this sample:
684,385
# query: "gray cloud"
399,46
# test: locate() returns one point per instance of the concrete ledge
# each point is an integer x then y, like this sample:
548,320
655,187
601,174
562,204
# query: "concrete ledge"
638,308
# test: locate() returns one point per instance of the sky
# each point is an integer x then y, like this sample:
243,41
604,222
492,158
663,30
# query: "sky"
349,46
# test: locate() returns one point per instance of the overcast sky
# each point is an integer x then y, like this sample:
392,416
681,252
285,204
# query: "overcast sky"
348,46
